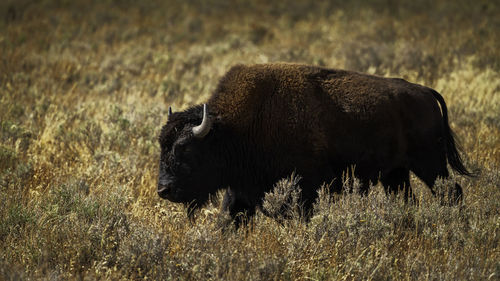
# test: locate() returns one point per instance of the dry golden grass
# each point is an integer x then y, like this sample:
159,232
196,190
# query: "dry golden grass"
84,89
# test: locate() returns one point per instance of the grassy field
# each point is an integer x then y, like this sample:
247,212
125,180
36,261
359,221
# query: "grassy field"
84,90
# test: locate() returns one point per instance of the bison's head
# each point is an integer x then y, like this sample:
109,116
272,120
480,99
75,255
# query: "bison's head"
187,170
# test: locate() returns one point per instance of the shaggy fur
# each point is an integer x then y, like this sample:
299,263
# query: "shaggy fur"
270,120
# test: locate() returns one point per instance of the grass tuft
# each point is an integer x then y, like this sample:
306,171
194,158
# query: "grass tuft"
85,87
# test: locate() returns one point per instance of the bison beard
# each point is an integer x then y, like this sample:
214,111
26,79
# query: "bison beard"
264,122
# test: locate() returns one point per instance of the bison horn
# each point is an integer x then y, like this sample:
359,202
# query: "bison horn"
202,130
169,111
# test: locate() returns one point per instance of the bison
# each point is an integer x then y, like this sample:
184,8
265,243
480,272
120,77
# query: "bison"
265,121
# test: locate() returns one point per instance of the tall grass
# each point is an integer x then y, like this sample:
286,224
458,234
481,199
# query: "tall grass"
84,90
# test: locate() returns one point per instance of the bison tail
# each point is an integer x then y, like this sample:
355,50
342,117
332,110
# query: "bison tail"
452,152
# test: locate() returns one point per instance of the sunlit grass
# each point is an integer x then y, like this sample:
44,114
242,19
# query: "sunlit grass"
84,90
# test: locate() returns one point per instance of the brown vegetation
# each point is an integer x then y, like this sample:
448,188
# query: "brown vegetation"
85,87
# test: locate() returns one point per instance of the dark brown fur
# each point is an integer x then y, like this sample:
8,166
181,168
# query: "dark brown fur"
273,119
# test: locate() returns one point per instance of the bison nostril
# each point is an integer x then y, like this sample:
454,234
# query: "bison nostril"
163,188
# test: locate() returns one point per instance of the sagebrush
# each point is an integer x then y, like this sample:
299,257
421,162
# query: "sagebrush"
85,87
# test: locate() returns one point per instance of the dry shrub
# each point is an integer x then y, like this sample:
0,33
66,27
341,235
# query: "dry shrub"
85,87
284,200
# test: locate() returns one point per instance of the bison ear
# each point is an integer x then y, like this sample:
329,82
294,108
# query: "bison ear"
169,111
202,130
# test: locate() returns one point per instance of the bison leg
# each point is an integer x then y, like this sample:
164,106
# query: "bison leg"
457,194
429,164
433,165
430,173
430,176
239,211
396,180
